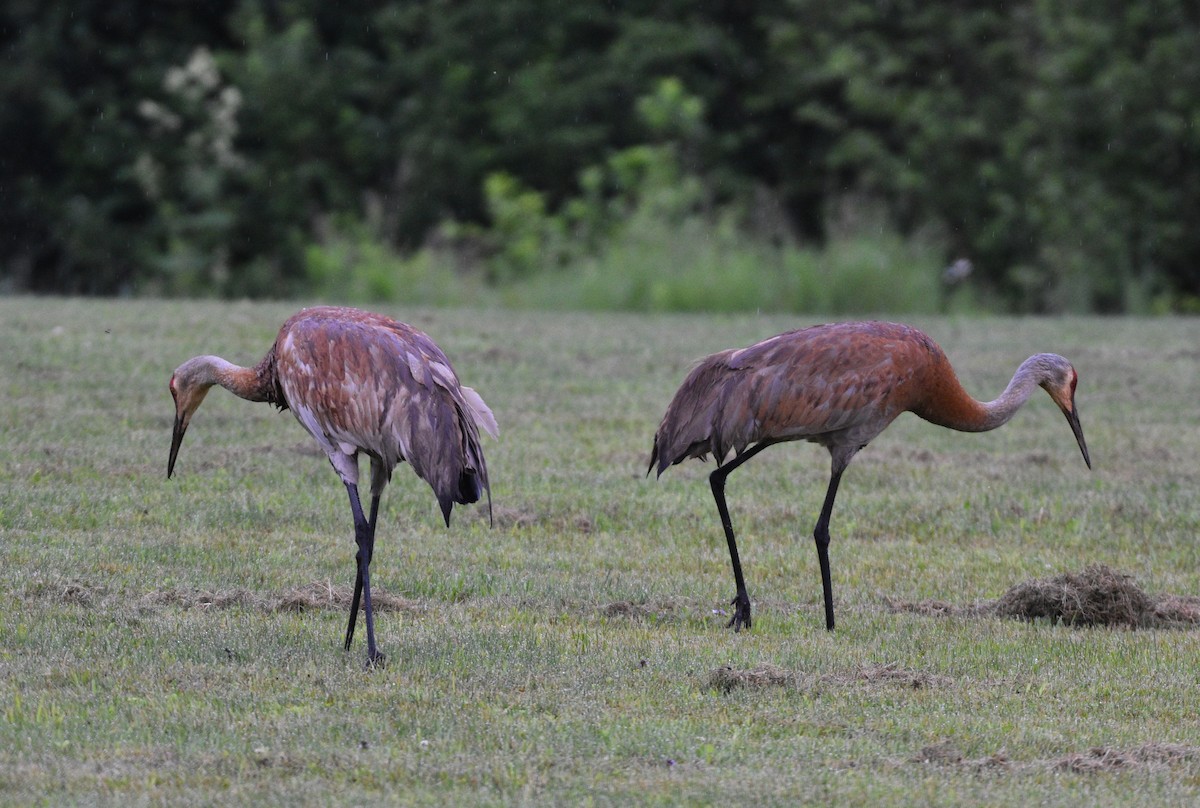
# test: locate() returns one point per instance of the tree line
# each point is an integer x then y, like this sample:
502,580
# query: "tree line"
204,148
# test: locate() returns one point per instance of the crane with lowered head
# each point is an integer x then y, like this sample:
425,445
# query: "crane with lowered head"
837,385
360,383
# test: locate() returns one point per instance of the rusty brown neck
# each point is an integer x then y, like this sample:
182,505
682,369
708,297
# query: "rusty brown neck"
253,384
953,407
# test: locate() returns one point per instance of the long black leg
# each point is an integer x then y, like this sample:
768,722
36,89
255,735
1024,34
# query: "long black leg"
821,536
358,579
363,537
741,601
371,522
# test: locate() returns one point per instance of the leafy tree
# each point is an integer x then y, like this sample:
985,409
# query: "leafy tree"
1055,143
71,209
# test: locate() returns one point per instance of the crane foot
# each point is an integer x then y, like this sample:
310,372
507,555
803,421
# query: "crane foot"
376,661
741,612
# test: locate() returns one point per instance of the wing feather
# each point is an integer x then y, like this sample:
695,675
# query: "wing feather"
364,382
832,384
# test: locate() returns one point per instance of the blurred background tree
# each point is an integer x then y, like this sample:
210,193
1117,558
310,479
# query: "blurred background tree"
566,152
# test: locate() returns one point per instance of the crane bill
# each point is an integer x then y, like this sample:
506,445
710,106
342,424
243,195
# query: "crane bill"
1073,420
176,442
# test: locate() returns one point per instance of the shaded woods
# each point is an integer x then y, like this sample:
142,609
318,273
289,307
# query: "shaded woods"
577,152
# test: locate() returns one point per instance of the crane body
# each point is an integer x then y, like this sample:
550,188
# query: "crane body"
838,385
360,383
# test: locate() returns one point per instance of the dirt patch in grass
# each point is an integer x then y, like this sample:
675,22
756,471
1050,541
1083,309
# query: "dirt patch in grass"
325,596
728,678
657,611
947,754
1151,756
906,677
316,595
506,517
1097,596
1147,757
928,608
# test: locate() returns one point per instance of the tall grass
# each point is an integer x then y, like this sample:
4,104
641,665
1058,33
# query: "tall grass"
655,265
351,266
696,266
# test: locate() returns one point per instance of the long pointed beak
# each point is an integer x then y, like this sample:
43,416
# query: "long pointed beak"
1073,420
181,423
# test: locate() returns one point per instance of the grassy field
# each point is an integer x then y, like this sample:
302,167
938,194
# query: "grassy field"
179,642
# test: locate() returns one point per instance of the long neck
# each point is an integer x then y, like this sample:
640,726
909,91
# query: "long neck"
253,384
1019,389
951,406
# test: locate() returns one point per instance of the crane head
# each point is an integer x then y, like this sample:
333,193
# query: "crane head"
188,388
1061,387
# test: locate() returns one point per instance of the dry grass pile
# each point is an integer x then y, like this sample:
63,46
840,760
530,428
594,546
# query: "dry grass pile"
1177,610
1151,756
905,677
304,598
947,754
657,611
727,678
1098,596
1147,757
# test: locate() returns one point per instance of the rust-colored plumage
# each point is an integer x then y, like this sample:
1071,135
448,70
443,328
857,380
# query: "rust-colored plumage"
837,385
360,383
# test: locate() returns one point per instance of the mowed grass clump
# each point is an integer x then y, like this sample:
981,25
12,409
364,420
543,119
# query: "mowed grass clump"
179,642
1095,596
1098,596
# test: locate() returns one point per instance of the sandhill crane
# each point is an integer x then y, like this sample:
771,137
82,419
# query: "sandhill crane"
360,382
837,385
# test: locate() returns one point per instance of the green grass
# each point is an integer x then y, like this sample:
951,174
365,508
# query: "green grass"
571,654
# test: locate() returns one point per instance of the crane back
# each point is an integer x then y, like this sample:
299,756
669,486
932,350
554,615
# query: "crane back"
838,385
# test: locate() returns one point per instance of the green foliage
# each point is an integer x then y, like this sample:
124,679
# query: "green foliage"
647,235
672,113
1056,145
72,211
1114,179
352,266
1039,135
187,170
656,264
520,229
